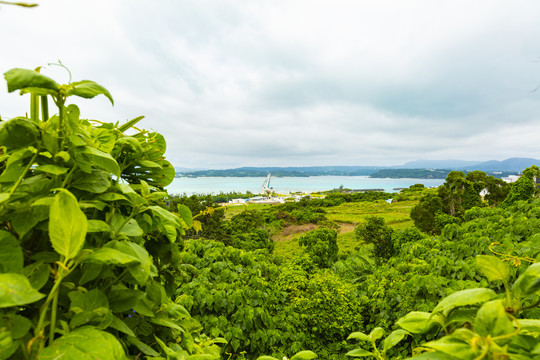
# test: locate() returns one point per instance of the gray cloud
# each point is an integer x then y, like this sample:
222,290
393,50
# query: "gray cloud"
299,83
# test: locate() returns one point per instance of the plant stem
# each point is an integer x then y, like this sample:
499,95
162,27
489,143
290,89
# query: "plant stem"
44,108
34,107
23,174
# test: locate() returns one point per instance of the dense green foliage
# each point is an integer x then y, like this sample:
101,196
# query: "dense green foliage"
321,246
93,260
88,251
458,194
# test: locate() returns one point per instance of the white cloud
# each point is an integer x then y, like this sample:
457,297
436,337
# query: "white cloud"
297,83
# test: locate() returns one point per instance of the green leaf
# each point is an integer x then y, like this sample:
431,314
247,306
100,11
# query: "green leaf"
38,274
417,322
130,123
23,78
15,290
395,337
88,301
185,214
147,350
7,345
67,225
359,336
96,182
492,319
18,133
24,219
492,267
124,299
119,325
110,256
529,282
376,333
11,254
454,346
464,298
88,89
85,343
359,353
304,355
51,169
532,325
98,226
99,158
430,355
266,357
139,271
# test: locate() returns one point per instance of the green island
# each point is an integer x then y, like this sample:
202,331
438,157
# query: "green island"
99,262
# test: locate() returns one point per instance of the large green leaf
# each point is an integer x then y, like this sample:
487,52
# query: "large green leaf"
23,78
395,337
454,345
139,271
417,322
465,298
124,299
304,355
51,169
11,254
492,267
492,319
18,132
359,336
67,225
85,343
88,89
529,282
15,290
97,182
110,256
98,158
185,214
359,353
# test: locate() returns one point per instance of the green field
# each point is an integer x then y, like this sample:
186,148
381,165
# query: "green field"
348,215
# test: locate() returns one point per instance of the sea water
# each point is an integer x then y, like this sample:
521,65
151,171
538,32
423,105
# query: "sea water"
285,185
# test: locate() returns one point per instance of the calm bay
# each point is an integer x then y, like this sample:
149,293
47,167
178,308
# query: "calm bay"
284,185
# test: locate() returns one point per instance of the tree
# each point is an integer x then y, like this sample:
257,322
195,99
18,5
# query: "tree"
524,188
375,231
424,214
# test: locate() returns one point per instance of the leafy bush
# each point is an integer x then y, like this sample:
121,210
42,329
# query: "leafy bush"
86,245
329,306
321,246
233,293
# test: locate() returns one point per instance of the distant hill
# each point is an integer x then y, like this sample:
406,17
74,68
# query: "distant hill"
512,164
438,164
413,169
284,171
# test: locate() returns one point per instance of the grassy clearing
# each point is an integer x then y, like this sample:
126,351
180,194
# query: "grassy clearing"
232,210
395,214
348,215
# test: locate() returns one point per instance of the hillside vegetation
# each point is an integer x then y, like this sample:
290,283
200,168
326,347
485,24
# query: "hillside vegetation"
99,262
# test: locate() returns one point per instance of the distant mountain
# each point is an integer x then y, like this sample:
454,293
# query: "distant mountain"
284,171
419,169
512,164
438,164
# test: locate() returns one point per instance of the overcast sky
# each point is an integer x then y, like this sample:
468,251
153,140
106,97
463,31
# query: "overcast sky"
299,82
